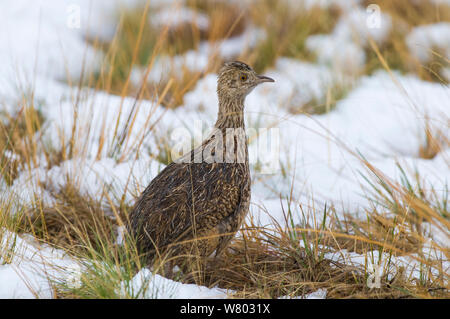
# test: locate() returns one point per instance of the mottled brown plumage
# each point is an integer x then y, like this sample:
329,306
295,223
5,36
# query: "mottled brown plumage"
198,202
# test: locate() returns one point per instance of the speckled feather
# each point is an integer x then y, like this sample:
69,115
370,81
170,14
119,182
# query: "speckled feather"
205,200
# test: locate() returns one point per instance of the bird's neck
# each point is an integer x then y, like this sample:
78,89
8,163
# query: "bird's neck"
231,113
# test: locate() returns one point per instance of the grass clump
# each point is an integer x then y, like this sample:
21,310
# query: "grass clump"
405,16
225,19
287,30
18,140
435,141
73,218
291,259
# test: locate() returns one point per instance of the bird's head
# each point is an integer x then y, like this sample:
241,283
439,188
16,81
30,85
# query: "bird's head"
237,79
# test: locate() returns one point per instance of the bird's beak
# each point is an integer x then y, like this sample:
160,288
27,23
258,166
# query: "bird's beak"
263,78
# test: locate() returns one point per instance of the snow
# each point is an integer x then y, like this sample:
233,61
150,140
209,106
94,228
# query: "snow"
423,40
30,272
441,2
93,177
344,5
383,117
50,39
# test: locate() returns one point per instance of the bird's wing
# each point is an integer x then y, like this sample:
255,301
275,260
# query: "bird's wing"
185,198
232,223
216,202
161,209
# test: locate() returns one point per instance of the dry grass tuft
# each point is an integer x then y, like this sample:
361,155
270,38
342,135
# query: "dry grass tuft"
287,31
289,260
74,221
435,141
405,15
334,93
226,19
18,140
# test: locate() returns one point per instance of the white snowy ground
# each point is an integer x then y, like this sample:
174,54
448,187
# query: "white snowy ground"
383,118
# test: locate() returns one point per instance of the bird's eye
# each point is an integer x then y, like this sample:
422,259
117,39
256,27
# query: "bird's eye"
244,77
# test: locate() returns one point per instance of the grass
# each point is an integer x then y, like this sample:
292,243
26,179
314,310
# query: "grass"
226,20
288,260
294,258
137,43
405,15
414,13
335,92
18,140
287,31
291,259
435,141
